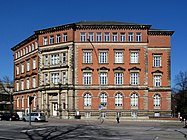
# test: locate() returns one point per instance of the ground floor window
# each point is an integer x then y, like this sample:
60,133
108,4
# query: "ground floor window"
157,114
87,114
134,114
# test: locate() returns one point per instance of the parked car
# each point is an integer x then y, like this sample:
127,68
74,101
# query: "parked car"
9,116
35,116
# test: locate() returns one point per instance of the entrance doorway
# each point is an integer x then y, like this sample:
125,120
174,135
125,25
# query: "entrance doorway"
55,109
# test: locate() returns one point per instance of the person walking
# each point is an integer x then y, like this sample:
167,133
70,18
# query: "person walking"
117,119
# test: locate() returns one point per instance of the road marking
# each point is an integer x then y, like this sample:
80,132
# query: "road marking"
29,130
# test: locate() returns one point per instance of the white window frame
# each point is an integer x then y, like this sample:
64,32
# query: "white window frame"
130,37
157,100
91,36
119,78
82,36
17,70
157,61
123,37
28,83
28,65
22,102
157,80
134,78
87,99
58,37
55,59
87,57
134,57
118,99
51,39
17,102
55,78
103,78
64,58
33,82
107,37
22,68
45,40
103,99
103,57
87,78
32,46
134,100
64,76
46,60
17,86
138,37
65,37
99,37
34,63
119,57
114,37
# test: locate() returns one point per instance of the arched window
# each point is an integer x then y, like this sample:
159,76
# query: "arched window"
134,100
156,100
103,99
118,99
87,99
34,101
17,102
22,102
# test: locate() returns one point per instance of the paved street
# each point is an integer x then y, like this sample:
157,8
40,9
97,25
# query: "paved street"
92,130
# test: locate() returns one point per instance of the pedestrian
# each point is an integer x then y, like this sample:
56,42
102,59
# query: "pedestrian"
117,119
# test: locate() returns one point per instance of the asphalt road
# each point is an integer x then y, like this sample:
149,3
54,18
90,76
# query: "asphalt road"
92,130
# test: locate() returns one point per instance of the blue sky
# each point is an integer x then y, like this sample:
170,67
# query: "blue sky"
20,18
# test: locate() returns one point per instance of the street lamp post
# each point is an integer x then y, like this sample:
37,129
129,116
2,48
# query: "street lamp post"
100,108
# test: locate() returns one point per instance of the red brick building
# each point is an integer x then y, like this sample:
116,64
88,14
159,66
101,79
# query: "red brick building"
107,68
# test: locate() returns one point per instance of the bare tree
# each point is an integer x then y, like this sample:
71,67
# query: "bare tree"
6,85
180,92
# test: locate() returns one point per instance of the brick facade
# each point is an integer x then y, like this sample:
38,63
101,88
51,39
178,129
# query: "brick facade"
133,61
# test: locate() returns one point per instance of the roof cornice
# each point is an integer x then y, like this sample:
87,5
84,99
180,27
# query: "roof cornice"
160,32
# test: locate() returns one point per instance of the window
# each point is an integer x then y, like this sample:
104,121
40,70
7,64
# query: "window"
22,85
64,58
55,78
114,37
45,40
118,99
157,61
17,102
134,78
103,99
34,63
46,79
87,99
28,65
36,45
34,102
103,78
17,86
157,80
134,57
28,101
91,36
119,78
32,46
107,37
51,41
103,57
122,37
26,51
83,37
138,37
29,48
21,52
22,68
64,78
16,55
98,37
130,37
156,100
46,60
17,70
34,82
87,57
87,78
134,100
118,57
58,38
55,59
28,83
87,114
22,102
65,37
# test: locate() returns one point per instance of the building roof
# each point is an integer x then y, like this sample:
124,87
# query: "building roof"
95,25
